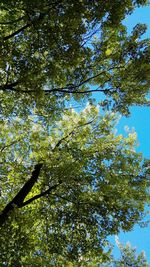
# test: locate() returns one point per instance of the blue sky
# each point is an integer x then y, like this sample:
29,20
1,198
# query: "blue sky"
140,121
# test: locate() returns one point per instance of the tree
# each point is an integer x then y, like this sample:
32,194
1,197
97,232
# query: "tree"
59,49
67,186
67,180
130,258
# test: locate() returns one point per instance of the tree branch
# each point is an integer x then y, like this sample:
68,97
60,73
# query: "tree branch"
29,24
11,144
70,89
9,86
76,92
24,191
61,90
17,32
40,195
69,134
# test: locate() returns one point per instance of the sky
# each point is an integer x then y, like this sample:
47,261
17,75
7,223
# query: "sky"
140,121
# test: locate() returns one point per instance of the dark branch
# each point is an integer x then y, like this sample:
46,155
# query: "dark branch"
71,88
60,90
76,92
24,191
69,134
11,144
68,89
19,198
17,32
40,195
28,25
9,86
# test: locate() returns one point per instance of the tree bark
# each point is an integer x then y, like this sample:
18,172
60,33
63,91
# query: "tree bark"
21,195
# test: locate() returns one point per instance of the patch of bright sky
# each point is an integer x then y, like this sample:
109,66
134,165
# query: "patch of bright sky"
140,121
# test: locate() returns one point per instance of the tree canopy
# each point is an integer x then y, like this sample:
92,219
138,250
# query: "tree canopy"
61,48
128,257
68,180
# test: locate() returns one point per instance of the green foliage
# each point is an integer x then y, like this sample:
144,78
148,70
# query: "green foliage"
129,257
99,186
61,49
68,181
